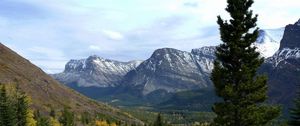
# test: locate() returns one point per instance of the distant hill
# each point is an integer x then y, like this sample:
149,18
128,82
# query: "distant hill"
46,92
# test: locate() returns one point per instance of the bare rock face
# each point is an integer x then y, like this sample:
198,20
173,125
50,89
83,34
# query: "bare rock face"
167,69
291,37
173,70
283,68
95,72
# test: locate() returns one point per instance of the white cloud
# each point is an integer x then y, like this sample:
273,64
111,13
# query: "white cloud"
276,13
94,47
113,35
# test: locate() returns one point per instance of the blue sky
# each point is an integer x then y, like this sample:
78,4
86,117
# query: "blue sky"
49,33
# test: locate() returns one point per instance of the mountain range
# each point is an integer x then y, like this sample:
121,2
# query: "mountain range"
170,71
167,69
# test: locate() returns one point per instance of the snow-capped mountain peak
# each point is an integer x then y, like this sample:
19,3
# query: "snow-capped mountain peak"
282,55
173,70
95,71
207,51
298,22
289,47
268,41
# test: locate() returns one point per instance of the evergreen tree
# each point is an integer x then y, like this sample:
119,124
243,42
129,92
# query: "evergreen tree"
295,112
158,121
6,110
36,114
234,74
67,118
43,121
86,118
52,113
22,107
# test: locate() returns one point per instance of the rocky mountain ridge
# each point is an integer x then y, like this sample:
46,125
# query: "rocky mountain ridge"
172,70
268,41
166,69
95,71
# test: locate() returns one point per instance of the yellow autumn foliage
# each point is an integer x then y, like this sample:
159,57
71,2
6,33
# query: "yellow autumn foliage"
54,122
103,123
113,124
30,118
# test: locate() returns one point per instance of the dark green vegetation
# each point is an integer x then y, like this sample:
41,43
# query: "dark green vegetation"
188,107
15,111
14,108
7,112
149,115
67,118
159,121
234,74
295,112
196,100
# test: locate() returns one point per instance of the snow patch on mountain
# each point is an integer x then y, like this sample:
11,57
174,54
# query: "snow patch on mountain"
268,41
205,57
283,55
95,71
173,70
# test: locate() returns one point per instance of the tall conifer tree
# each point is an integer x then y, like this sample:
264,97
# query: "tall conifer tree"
158,121
295,112
234,74
22,107
67,118
6,110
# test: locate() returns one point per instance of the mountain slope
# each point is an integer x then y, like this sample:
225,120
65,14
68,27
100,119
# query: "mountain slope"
44,91
171,70
283,68
95,72
268,41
